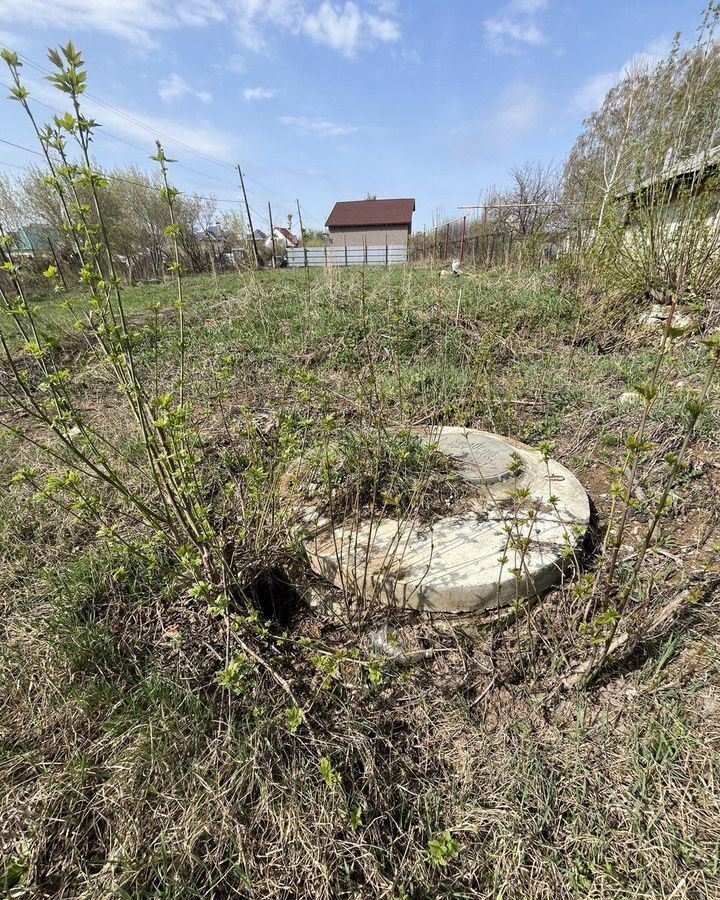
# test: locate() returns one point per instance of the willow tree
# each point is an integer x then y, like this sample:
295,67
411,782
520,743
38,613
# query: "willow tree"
642,175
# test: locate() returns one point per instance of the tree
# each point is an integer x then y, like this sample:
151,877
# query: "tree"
133,205
535,195
656,116
10,203
641,173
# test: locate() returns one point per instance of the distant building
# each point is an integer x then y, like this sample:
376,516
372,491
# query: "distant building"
37,238
286,235
694,175
374,223
216,237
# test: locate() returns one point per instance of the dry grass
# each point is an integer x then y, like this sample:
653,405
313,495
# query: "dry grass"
128,772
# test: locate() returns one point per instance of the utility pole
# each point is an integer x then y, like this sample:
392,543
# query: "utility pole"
302,231
272,233
247,210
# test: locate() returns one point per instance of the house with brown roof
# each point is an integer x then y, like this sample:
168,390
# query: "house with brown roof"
371,223
284,234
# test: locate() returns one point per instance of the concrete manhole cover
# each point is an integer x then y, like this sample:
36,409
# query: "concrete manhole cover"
514,539
482,458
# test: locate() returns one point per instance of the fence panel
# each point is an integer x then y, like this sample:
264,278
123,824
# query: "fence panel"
390,255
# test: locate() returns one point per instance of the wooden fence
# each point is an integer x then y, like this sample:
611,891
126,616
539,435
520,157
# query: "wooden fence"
385,255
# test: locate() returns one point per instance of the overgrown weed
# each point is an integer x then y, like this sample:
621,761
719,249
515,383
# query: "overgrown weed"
167,731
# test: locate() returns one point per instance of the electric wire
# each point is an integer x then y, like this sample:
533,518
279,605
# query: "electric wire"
154,132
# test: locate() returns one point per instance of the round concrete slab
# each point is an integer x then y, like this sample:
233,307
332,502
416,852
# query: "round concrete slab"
482,458
513,540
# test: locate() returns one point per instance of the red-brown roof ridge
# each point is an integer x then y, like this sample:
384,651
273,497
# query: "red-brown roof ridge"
359,213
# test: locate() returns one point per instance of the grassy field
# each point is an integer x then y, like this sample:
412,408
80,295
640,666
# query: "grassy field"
128,770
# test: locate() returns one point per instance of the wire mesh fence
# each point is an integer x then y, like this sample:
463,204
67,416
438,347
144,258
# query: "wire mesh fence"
487,241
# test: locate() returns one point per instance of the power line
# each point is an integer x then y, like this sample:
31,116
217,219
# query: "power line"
140,124
137,122
18,147
103,133
106,133
11,165
114,177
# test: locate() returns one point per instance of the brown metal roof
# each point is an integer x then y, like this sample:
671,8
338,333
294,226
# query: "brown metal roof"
363,213
289,236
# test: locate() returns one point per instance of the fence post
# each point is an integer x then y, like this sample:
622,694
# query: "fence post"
386,250
365,258
346,262
462,238
325,248
447,240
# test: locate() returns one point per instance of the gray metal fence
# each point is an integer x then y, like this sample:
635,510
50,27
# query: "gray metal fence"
385,255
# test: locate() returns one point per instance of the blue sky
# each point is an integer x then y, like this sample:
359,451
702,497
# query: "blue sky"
328,100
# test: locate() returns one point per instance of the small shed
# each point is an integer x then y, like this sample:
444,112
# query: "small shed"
372,223
693,175
35,239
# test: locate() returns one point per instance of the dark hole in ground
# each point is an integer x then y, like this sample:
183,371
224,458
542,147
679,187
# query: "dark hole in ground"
274,595
593,540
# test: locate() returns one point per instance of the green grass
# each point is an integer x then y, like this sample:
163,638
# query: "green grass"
429,351
128,772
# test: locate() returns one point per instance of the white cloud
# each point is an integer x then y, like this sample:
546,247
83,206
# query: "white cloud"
387,7
530,6
516,25
592,92
524,32
650,55
235,64
346,27
133,20
258,93
339,27
200,137
174,87
383,29
251,19
519,109
8,39
317,127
